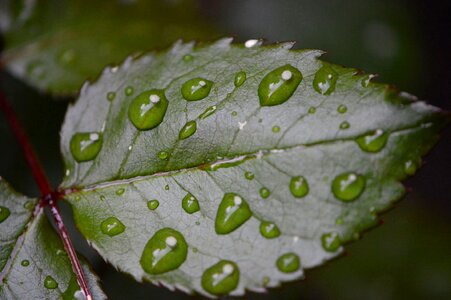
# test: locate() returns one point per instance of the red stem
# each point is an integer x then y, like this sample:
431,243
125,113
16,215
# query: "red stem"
48,197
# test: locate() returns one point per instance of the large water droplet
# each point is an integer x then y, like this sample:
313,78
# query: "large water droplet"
325,80
208,112
221,278
85,145
188,130
330,241
196,89
240,78
190,204
232,213
153,204
148,109
279,85
4,213
165,251
112,226
264,193
373,142
269,230
299,186
348,186
50,283
288,263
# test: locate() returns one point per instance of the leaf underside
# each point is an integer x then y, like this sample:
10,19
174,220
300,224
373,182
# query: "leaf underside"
33,263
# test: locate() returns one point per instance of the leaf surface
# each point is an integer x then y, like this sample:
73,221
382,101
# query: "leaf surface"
265,162
33,263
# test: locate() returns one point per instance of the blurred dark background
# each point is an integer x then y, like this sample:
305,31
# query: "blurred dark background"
408,43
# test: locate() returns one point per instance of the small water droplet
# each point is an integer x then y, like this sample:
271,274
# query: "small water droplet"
77,198
410,167
120,191
339,221
221,278
342,109
288,263
60,252
348,186
163,155
112,226
252,43
187,58
265,281
277,87
188,130
269,230
312,110
264,193
367,80
373,142
50,283
233,212
196,89
190,204
197,223
166,187
29,205
110,96
25,263
330,241
208,112
67,57
165,251
129,91
153,204
85,145
102,198
345,125
299,187
148,109
234,113
325,80
249,175
240,78
276,129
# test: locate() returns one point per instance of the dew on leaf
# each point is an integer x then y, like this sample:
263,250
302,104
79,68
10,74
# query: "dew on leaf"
249,175
112,226
410,167
240,78
148,109
367,79
153,204
165,251
129,91
342,109
373,142
166,187
4,213
221,278
188,130
348,186
85,146
29,205
25,263
163,155
325,80
207,112
276,129
269,230
279,85
50,283
196,89
187,58
102,198
330,241
110,96
299,187
120,191
288,263
345,125
233,211
264,193
312,110
234,113
190,204
67,57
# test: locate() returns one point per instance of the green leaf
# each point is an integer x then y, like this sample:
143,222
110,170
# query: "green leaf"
32,257
281,170
58,44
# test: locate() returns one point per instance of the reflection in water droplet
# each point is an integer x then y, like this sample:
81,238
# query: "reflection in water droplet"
288,263
85,145
325,80
342,109
269,230
153,204
50,283
112,226
348,186
264,192
190,204
4,213
148,109
196,89
188,130
233,212
249,175
208,112
240,78
221,278
299,187
373,142
330,241
279,85
165,251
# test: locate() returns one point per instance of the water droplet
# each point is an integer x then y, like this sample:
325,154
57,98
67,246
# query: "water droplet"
339,221
77,198
166,187
345,125
221,278
410,167
342,109
163,155
67,57
196,89
252,43
277,87
197,223
165,251
348,186
312,110
264,193
325,80
102,198
265,281
112,226
208,112
249,175
299,186
129,91
276,129
60,252
187,58
188,130
85,145
190,204
330,241
232,213
153,204
50,283
29,205
120,191
234,113
110,96
367,80
25,263
373,142
269,230
148,109
240,78
288,263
